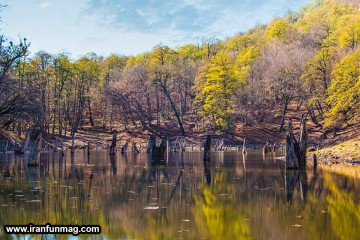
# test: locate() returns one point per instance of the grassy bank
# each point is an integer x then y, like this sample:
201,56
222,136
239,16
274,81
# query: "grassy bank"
344,153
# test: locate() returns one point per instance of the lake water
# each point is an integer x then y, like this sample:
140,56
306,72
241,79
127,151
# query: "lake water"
131,198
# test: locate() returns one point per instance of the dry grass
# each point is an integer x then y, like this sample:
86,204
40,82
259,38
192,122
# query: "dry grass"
346,152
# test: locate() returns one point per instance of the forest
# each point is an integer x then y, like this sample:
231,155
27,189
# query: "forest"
309,59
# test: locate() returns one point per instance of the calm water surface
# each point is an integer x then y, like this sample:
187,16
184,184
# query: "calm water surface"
234,197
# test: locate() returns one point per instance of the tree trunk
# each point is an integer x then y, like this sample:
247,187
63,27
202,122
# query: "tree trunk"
56,145
90,115
207,148
124,148
20,149
295,154
35,148
244,146
158,153
73,143
177,115
284,115
113,145
151,143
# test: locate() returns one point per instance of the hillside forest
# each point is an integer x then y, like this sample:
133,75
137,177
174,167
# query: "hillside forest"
307,60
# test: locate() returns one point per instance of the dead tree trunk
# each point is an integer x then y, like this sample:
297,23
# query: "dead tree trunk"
295,154
20,149
88,147
56,145
151,143
134,148
315,162
62,147
159,152
73,143
35,148
113,145
207,148
124,148
6,146
266,148
244,146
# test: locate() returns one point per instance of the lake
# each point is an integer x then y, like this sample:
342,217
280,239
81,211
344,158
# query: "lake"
131,197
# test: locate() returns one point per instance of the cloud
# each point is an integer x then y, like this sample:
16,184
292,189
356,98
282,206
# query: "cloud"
44,5
187,18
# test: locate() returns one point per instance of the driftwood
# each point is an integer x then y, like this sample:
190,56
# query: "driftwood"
124,148
159,152
295,154
35,148
151,143
207,148
244,146
113,145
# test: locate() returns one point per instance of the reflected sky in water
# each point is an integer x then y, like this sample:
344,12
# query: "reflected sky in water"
132,196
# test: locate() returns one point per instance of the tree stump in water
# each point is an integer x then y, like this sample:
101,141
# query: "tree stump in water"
159,152
244,146
152,142
21,148
207,149
134,148
35,148
56,144
88,147
266,148
295,152
62,147
113,145
124,148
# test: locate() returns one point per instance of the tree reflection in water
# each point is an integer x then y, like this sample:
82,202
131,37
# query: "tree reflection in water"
234,196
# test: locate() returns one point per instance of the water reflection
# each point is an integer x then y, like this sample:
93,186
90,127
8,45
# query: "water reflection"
235,196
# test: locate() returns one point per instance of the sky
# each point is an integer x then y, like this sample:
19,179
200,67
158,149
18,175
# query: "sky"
130,27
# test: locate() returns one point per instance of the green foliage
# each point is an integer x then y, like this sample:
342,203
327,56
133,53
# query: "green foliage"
344,92
218,90
350,32
191,51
